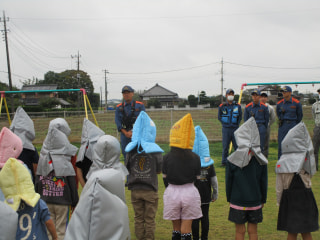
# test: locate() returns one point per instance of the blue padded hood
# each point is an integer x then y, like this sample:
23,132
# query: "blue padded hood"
144,134
201,147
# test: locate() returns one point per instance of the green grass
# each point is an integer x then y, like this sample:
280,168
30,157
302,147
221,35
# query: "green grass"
220,227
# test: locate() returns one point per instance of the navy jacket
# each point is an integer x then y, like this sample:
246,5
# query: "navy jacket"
247,187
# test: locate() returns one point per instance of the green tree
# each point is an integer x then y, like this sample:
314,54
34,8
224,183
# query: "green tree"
192,100
29,81
215,101
203,99
48,102
69,80
154,102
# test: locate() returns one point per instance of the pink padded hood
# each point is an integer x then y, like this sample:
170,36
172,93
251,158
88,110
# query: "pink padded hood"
10,146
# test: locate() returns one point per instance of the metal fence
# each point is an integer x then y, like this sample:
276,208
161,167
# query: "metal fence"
163,118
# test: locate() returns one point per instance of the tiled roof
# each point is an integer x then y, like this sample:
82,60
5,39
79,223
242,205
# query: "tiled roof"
39,87
158,90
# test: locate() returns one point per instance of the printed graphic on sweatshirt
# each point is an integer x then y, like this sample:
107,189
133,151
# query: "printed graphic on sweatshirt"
141,167
52,186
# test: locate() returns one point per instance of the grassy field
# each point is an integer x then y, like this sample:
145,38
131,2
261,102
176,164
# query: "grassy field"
220,227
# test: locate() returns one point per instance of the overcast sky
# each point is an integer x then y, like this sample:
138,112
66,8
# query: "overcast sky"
178,44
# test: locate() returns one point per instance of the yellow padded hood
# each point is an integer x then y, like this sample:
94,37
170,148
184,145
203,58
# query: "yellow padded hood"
16,185
182,133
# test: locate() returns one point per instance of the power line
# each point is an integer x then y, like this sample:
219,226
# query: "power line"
15,75
36,47
165,71
271,12
269,67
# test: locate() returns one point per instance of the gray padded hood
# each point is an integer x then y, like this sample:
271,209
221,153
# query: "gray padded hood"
297,152
248,140
89,137
22,125
107,155
101,212
8,222
56,151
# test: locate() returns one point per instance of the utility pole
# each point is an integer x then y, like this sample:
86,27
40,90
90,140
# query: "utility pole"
78,76
101,97
8,59
222,80
105,88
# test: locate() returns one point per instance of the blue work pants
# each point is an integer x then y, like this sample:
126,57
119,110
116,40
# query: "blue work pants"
227,137
282,132
124,141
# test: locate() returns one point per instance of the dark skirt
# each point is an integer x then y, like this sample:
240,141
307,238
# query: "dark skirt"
298,211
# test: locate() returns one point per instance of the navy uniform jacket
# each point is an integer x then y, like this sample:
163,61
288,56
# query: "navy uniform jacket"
259,111
230,115
289,110
125,108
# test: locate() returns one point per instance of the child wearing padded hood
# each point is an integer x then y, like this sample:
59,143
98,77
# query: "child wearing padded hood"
10,146
206,182
18,193
181,168
247,181
298,211
22,125
144,162
107,155
89,137
102,212
56,177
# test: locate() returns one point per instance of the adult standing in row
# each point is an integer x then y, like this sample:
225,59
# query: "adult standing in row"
126,114
230,116
316,130
260,112
272,119
289,112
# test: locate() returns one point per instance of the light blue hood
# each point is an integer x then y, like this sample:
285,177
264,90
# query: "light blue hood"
144,134
201,147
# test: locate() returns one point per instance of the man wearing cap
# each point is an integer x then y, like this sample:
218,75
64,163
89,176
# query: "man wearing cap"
272,119
316,130
126,114
289,112
230,116
260,112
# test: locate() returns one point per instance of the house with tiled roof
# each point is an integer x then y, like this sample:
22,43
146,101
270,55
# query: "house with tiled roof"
166,97
33,98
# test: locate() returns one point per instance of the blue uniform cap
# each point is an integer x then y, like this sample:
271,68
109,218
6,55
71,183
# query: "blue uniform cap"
256,91
286,89
229,91
127,88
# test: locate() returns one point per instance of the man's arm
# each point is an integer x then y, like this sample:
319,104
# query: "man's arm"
240,114
128,134
299,112
118,119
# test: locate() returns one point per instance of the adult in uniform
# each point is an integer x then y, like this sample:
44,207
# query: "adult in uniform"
316,130
272,119
230,116
126,114
289,112
260,112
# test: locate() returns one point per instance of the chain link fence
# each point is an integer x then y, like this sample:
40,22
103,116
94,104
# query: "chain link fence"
163,118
